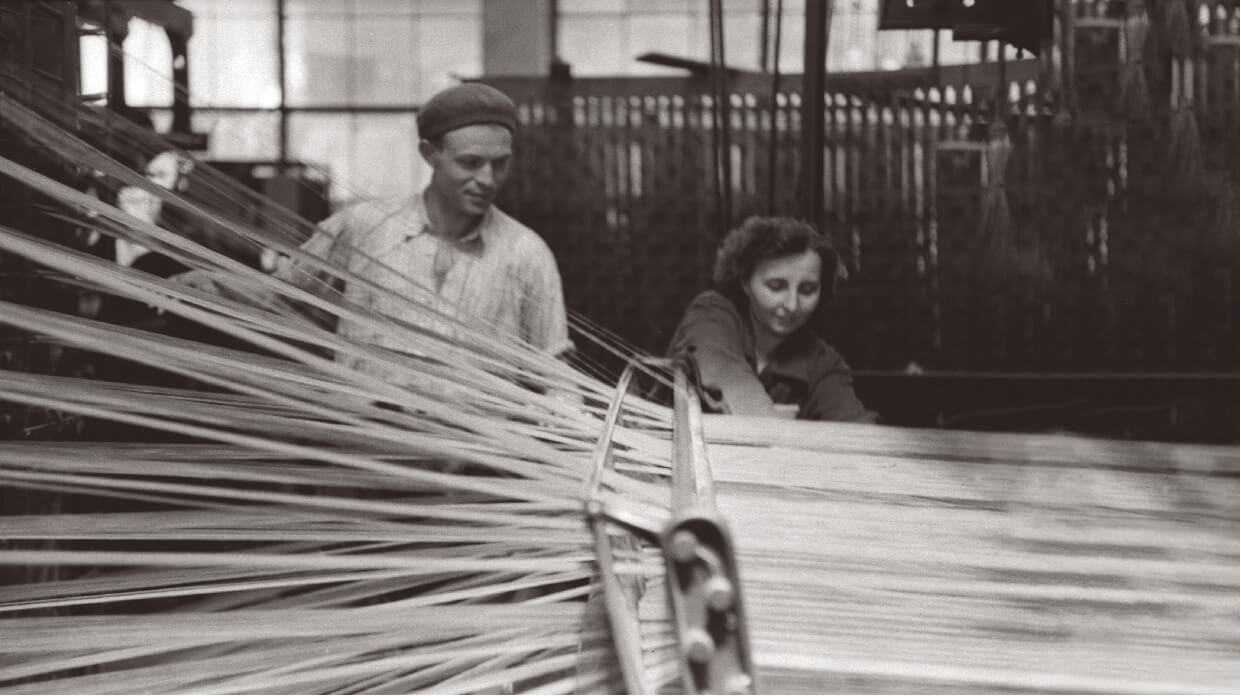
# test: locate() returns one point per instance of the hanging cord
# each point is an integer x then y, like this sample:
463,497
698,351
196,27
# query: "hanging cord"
719,95
775,92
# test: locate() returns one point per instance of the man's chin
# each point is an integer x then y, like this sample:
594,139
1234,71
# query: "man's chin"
475,206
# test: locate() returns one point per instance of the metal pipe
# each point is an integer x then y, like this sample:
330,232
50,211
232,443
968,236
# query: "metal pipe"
772,135
626,633
692,484
814,83
764,8
683,488
283,154
720,140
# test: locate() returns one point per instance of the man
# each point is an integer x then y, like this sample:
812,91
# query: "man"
448,256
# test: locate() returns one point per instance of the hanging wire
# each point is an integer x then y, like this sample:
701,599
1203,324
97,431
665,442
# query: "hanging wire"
775,92
719,113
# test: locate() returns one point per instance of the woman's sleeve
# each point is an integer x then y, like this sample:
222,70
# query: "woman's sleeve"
831,395
711,331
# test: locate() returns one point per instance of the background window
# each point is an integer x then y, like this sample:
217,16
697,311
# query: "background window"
604,37
364,155
233,53
148,65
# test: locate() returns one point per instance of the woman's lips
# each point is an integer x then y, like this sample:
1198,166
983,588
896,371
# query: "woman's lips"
787,322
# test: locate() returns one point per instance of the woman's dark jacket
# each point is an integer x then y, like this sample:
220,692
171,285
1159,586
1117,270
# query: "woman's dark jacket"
803,370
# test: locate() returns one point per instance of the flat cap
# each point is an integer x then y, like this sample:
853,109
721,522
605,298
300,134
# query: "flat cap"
464,105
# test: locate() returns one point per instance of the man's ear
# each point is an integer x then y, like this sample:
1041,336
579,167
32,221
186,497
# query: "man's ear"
427,149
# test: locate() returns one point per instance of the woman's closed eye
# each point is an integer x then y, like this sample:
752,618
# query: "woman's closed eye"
808,289
776,285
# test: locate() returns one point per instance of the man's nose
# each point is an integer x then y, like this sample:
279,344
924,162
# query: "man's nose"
485,175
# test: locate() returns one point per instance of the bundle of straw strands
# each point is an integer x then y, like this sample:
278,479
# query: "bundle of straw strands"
411,518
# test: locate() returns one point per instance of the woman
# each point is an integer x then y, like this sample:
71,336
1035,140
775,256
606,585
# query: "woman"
755,352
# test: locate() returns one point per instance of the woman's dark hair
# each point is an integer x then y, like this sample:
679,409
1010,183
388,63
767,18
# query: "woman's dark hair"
762,238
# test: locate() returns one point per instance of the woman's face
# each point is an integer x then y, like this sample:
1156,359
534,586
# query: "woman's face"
784,292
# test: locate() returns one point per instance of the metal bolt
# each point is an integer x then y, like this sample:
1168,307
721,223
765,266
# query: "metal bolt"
741,684
698,646
684,546
719,593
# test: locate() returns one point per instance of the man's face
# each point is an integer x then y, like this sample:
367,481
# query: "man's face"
469,166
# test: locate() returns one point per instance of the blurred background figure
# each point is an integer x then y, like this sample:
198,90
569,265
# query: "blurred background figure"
168,170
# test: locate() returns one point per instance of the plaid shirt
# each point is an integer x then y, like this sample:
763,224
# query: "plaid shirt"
501,280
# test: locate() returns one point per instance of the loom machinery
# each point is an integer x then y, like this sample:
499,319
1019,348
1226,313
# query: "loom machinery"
1057,598
831,557
704,595
1085,592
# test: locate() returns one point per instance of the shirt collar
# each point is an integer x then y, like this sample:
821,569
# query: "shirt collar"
476,238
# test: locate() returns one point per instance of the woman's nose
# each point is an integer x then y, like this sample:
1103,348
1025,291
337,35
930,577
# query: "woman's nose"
791,302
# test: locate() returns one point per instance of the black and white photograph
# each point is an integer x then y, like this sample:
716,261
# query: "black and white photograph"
620,346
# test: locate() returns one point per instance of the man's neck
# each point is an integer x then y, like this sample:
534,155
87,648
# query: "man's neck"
446,223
